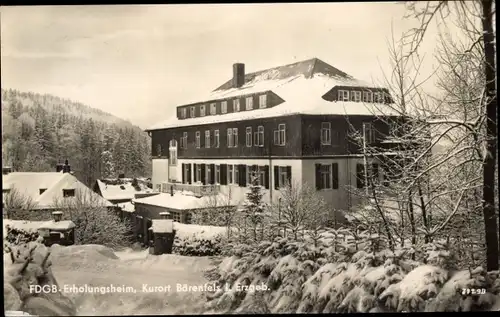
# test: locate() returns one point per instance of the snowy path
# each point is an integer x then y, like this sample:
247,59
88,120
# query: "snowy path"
87,265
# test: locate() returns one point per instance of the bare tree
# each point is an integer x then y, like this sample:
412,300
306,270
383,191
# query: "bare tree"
17,205
477,21
95,224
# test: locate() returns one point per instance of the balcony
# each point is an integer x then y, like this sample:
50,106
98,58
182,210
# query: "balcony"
197,189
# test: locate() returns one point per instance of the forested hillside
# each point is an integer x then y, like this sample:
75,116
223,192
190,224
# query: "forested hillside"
39,131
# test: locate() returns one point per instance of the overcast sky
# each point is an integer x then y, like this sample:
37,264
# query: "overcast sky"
139,62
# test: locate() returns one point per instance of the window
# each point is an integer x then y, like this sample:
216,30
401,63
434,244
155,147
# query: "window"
183,113
279,135
42,190
207,139
327,176
217,174
68,193
208,172
249,136
379,97
184,140
367,96
326,133
216,138
198,173
212,108
236,174
185,172
223,107
360,175
197,139
368,133
191,112
357,96
230,170
259,136
236,105
230,140
202,110
249,103
172,151
262,101
176,216
282,176
235,137
343,95
257,174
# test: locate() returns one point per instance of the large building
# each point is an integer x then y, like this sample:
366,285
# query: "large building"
292,123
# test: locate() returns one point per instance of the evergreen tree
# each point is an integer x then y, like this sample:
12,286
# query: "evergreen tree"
254,206
108,164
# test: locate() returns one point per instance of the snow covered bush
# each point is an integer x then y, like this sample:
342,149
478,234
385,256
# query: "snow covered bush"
15,236
193,246
28,265
354,274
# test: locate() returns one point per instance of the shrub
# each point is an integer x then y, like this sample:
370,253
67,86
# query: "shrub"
193,246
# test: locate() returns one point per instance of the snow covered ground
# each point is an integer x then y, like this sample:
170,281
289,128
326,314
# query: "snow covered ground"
154,280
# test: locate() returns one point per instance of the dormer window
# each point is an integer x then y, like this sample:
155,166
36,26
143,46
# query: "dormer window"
202,110
343,95
223,107
236,105
212,109
183,113
367,96
262,101
42,190
249,103
68,193
191,112
357,96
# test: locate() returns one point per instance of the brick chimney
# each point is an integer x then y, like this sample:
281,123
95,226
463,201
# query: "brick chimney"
57,216
59,167
66,167
238,75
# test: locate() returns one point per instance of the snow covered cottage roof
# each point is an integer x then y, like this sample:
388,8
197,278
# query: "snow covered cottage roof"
57,225
45,188
184,201
301,85
121,189
128,206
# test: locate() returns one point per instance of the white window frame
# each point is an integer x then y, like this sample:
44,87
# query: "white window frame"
223,107
369,132
379,97
259,136
248,134
216,138
230,174
282,176
208,170
367,96
192,112
249,103
326,180
202,111
235,137
236,105
236,178
198,173
183,113
207,139
213,109
217,174
230,140
357,96
326,133
184,140
280,135
262,101
172,150
343,95
197,140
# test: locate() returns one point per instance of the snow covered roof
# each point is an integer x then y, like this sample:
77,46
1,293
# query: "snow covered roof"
185,201
57,225
122,190
30,183
302,89
128,206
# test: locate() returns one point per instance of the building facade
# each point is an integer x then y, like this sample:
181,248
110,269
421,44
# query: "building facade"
297,124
